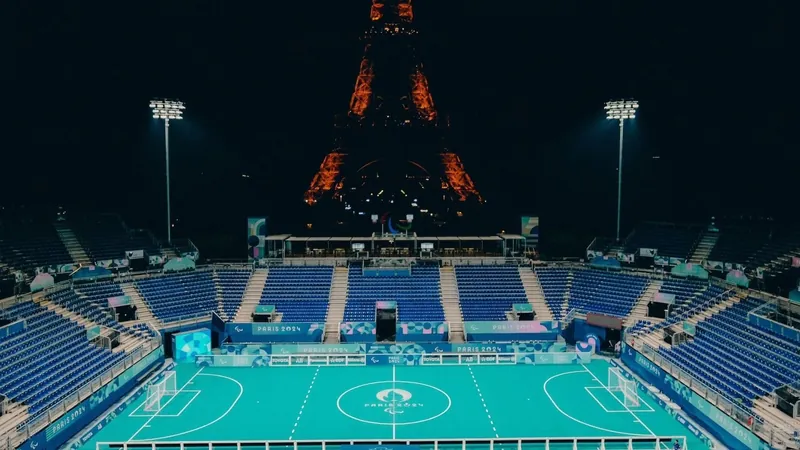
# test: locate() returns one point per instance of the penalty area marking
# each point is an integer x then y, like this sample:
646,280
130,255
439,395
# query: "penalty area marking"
589,389
371,422
228,411
135,412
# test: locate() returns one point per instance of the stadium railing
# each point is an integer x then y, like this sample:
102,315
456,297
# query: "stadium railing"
36,423
339,359
715,396
630,442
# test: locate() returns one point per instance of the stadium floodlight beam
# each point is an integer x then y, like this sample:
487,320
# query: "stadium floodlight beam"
167,110
620,110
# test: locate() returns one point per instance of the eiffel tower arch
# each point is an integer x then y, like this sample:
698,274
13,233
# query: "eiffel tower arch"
390,155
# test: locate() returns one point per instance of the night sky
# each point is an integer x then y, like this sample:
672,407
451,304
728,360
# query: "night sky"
523,82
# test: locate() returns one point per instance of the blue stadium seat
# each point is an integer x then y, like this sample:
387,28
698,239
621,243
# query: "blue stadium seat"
299,293
179,297
741,360
554,286
231,284
488,292
25,246
418,296
613,294
50,360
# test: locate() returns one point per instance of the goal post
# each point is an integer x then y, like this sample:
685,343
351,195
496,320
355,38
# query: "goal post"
617,382
156,392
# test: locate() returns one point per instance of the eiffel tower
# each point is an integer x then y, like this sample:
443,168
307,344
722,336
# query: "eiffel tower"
390,155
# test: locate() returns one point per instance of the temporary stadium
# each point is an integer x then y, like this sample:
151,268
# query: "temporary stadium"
397,331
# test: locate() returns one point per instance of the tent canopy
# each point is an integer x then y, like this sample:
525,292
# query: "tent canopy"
91,273
42,282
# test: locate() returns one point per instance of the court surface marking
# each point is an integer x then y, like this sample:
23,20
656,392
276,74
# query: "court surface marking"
391,402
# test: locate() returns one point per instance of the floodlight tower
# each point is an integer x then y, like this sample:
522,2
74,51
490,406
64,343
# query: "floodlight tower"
167,110
620,110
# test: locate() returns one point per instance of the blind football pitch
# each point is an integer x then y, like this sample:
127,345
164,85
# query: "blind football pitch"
391,402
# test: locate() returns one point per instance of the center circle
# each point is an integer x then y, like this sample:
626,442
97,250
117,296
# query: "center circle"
394,403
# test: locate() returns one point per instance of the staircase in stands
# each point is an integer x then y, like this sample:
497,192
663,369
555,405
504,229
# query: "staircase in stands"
654,339
565,305
143,312
252,295
71,243
535,294
704,247
639,311
451,304
126,343
219,296
337,300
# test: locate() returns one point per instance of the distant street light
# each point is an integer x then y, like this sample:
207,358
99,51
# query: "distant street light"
620,110
167,110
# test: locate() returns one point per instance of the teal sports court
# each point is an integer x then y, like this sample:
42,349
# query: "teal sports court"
393,403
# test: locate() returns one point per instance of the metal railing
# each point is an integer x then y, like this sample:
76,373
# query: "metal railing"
769,432
34,424
465,444
706,305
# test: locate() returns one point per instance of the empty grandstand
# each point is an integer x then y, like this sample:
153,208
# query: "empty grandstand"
418,294
299,294
489,292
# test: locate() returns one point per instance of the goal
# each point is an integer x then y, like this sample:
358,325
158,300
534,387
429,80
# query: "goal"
157,391
617,382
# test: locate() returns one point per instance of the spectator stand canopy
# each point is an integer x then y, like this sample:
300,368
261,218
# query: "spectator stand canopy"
42,282
90,273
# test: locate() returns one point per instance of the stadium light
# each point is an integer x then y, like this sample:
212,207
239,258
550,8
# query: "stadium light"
620,110
167,110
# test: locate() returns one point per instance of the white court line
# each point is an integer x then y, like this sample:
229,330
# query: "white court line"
394,389
225,414
483,401
305,401
635,417
597,399
165,405
133,413
558,408
589,389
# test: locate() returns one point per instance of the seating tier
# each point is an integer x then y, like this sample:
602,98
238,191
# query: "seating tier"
50,360
488,292
418,296
299,293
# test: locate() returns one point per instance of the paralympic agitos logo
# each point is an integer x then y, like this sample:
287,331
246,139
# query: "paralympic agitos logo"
394,228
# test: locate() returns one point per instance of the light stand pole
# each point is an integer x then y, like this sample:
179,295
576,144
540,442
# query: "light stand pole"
167,110
620,110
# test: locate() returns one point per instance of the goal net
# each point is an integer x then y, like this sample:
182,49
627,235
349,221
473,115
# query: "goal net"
617,382
157,391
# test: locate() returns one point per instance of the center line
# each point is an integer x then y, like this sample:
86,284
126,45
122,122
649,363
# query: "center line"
308,393
394,395
483,401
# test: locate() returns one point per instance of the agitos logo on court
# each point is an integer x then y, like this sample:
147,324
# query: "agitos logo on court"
394,401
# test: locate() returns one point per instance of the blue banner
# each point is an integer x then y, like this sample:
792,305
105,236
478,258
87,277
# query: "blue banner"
729,431
357,332
422,332
655,397
774,327
12,328
515,331
82,414
393,360
275,332
191,344
323,349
